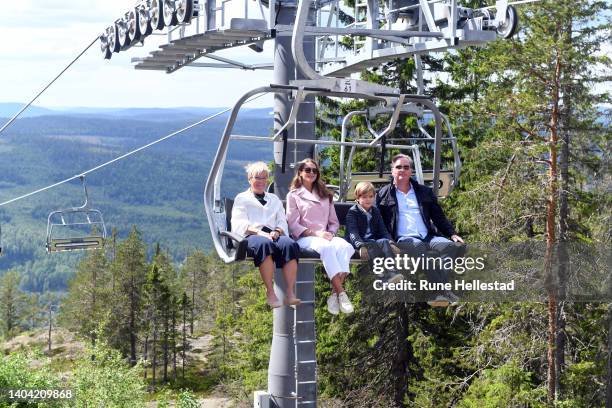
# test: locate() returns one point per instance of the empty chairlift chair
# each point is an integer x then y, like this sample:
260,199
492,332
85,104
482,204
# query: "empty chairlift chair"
76,228
415,145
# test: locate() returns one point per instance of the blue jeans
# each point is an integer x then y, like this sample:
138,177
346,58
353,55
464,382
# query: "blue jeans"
432,246
378,248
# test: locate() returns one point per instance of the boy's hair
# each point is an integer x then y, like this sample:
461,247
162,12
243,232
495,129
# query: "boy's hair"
364,187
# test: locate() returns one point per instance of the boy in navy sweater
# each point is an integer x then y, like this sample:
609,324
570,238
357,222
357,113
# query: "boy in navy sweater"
366,231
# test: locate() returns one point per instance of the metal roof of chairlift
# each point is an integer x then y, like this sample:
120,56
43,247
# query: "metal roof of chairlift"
398,29
61,220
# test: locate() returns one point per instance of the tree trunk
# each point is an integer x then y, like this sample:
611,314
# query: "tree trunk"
192,309
174,344
165,346
132,324
50,328
145,355
609,373
563,255
551,208
154,352
114,257
184,337
94,283
399,368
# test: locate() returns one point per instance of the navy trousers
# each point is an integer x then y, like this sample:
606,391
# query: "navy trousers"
283,250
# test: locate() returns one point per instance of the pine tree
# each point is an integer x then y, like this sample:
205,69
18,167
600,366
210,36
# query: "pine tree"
130,271
194,275
89,293
12,303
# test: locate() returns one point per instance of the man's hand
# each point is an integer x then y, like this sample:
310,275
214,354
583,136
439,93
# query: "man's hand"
457,238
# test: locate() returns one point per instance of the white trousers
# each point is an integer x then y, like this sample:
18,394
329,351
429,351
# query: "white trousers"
335,254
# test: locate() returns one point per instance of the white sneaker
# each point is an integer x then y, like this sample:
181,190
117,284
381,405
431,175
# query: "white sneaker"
332,304
345,304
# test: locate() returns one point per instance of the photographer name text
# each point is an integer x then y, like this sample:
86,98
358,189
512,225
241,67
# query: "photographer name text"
458,285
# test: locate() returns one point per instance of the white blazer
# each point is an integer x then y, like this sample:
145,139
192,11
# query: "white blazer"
248,210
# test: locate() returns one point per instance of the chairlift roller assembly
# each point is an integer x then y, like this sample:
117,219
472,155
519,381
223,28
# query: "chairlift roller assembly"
62,226
144,21
156,11
123,33
170,13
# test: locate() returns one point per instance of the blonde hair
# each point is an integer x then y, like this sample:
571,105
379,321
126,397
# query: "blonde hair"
363,188
319,186
253,169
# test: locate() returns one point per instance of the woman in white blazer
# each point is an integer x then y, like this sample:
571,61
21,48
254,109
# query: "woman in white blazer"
260,217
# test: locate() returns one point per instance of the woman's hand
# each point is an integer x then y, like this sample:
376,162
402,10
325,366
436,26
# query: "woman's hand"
325,235
274,235
265,234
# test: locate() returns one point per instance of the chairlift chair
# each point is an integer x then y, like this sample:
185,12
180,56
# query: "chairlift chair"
65,227
446,179
215,204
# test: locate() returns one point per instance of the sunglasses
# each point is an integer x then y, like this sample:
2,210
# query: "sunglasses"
310,170
402,167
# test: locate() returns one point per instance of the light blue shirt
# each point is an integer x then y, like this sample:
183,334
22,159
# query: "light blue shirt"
410,220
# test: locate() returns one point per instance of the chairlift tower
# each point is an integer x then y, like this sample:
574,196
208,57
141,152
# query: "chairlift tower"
311,58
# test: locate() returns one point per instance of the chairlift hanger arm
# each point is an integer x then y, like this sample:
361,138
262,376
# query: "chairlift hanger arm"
392,122
299,98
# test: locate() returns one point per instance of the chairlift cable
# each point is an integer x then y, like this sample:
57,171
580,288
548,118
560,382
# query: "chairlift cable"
116,159
7,124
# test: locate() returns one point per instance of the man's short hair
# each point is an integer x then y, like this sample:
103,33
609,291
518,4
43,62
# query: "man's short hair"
402,156
253,169
363,188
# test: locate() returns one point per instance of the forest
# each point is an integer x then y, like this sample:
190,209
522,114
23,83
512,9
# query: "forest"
531,116
160,190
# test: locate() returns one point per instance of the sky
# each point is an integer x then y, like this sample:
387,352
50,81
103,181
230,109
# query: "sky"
40,37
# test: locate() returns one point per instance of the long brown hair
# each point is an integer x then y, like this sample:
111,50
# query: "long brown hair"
318,185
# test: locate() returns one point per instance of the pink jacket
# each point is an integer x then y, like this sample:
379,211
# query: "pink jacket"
305,210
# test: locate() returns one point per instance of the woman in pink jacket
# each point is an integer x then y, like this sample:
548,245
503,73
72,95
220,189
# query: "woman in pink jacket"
313,223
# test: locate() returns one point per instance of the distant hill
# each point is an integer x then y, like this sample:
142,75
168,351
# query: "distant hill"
8,110
160,189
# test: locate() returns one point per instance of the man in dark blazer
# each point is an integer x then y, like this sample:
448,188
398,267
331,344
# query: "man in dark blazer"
412,214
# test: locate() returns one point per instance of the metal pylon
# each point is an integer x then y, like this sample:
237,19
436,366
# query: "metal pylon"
304,341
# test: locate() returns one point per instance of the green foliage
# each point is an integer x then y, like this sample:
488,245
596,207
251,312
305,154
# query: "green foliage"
89,293
16,373
507,386
186,399
103,378
12,304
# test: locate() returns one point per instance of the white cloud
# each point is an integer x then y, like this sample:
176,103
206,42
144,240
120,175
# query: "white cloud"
40,37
